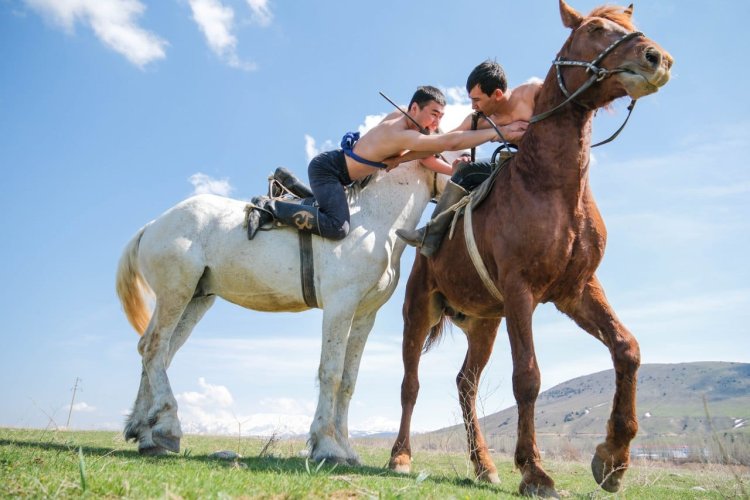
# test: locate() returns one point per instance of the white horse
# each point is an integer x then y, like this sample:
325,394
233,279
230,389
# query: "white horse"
198,250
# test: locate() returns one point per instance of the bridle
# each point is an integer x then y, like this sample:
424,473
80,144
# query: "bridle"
597,75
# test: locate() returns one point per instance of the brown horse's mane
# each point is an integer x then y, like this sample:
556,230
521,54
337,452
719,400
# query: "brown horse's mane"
615,14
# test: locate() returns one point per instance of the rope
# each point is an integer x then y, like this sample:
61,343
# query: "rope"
476,259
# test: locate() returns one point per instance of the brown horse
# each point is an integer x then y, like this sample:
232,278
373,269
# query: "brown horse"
541,238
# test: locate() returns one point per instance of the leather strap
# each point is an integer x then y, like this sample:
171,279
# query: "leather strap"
474,123
307,269
476,259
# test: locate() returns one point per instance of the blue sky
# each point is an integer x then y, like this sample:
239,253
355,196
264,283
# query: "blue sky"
111,111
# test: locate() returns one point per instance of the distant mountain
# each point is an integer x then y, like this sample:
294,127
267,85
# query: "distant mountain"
670,403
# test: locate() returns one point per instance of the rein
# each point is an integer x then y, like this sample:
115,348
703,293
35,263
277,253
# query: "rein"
597,75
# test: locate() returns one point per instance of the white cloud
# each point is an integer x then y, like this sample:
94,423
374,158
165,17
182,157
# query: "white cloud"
534,79
113,22
457,95
370,122
83,407
205,184
311,149
208,411
217,395
216,21
261,14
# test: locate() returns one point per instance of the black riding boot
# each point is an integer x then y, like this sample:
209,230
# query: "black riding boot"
292,183
301,217
429,237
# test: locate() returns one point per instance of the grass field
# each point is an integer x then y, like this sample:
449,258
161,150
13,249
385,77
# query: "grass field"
58,464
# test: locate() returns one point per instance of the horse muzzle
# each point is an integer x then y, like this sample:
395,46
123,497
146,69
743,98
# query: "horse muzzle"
648,73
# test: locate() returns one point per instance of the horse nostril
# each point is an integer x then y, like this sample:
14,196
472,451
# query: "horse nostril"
653,56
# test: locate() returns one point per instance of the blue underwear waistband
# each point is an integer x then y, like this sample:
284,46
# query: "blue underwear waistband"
347,146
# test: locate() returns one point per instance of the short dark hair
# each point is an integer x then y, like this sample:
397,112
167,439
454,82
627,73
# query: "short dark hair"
489,75
425,94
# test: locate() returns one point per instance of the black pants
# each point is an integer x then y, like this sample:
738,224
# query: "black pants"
328,175
469,175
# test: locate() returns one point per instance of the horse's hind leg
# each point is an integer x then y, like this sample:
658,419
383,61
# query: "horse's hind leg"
137,427
174,317
481,337
594,314
361,327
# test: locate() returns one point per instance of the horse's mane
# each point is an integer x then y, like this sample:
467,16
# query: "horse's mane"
615,14
354,189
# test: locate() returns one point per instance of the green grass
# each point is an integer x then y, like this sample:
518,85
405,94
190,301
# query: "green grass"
57,464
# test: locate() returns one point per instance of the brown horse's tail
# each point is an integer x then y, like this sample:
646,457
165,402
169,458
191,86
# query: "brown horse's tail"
436,332
132,287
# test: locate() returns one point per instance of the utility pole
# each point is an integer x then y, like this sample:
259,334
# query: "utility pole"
75,387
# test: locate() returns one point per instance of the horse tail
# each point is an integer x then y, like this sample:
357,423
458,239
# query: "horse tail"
436,332
131,286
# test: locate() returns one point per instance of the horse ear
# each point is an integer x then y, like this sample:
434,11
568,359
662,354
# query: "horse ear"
629,10
570,17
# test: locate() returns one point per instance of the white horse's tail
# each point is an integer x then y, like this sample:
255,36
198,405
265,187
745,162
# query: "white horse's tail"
132,287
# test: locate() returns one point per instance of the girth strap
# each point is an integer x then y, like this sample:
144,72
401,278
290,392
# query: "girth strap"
307,269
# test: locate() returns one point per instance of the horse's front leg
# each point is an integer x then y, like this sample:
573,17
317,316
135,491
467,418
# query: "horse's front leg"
594,314
361,327
481,338
421,311
519,306
337,321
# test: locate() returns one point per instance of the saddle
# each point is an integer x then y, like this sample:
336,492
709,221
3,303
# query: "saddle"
282,186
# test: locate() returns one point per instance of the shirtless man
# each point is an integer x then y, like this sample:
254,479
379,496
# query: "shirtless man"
510,110
359,157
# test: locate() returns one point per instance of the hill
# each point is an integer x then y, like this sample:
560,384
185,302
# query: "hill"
670,401
670,405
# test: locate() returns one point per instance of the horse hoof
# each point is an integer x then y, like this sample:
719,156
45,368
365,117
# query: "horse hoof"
152,451
537,490
167,442
491,478
610,481
400,467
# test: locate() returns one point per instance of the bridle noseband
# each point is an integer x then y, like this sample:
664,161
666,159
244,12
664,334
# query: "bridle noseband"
597,75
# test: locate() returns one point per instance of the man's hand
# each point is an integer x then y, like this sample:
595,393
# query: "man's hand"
392,162
465,158
514,130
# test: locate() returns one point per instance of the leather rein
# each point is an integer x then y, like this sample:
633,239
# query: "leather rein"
597,75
